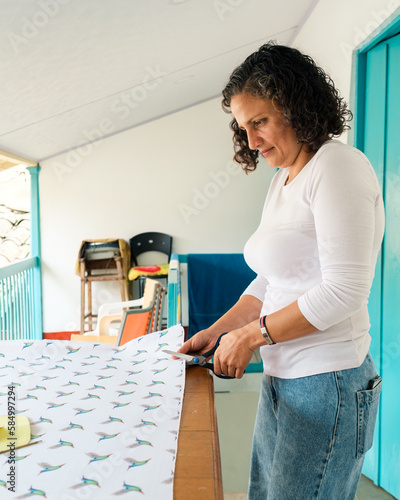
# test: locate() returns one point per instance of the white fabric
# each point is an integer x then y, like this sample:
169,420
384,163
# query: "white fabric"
107,417
317,243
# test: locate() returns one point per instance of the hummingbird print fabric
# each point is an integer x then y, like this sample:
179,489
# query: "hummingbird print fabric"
104,419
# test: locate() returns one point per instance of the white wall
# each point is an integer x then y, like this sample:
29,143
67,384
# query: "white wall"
335,28
173,175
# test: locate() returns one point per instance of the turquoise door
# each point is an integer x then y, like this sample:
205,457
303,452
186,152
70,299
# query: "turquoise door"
382,146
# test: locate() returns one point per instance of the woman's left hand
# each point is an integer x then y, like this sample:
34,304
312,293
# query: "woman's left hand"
233,354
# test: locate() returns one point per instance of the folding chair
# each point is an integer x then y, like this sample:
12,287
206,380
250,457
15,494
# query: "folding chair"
100,261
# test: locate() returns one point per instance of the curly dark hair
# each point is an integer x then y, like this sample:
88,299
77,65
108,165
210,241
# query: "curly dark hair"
310,102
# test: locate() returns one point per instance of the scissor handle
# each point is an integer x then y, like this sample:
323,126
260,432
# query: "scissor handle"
212,350
209,353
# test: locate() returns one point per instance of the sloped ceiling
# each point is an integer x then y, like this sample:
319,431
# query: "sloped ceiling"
75,71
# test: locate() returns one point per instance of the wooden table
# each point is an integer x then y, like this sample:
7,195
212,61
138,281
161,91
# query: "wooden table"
198,464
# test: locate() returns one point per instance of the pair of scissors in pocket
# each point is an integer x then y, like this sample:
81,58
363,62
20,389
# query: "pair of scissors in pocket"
200,360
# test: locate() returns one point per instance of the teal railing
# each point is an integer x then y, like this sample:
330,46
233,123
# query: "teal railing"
20,311
21,282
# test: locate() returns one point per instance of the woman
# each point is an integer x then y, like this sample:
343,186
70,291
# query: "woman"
314,253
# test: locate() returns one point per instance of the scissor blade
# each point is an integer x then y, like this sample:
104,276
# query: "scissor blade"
186,357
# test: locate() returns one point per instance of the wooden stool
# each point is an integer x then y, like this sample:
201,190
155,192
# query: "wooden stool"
99,270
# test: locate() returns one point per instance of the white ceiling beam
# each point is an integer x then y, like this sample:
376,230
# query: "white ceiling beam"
8,160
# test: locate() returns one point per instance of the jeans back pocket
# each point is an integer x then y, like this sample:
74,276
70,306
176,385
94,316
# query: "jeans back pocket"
367,403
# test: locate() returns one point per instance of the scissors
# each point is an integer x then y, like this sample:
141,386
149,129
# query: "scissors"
202,359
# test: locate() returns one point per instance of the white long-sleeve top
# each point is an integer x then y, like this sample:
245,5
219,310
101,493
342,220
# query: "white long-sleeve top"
317,243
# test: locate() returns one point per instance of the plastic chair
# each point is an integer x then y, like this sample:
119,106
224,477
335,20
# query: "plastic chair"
149,242
111,315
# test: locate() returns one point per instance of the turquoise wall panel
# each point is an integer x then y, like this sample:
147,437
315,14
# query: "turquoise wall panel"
378,135
374,148
390,432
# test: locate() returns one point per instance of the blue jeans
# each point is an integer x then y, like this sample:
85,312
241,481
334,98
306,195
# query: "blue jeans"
311,434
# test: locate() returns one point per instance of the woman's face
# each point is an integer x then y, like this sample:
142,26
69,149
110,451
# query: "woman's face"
267,130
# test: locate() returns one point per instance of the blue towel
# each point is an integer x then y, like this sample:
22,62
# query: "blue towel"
215,283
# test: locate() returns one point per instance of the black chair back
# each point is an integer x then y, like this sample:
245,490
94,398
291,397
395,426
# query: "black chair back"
150,242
